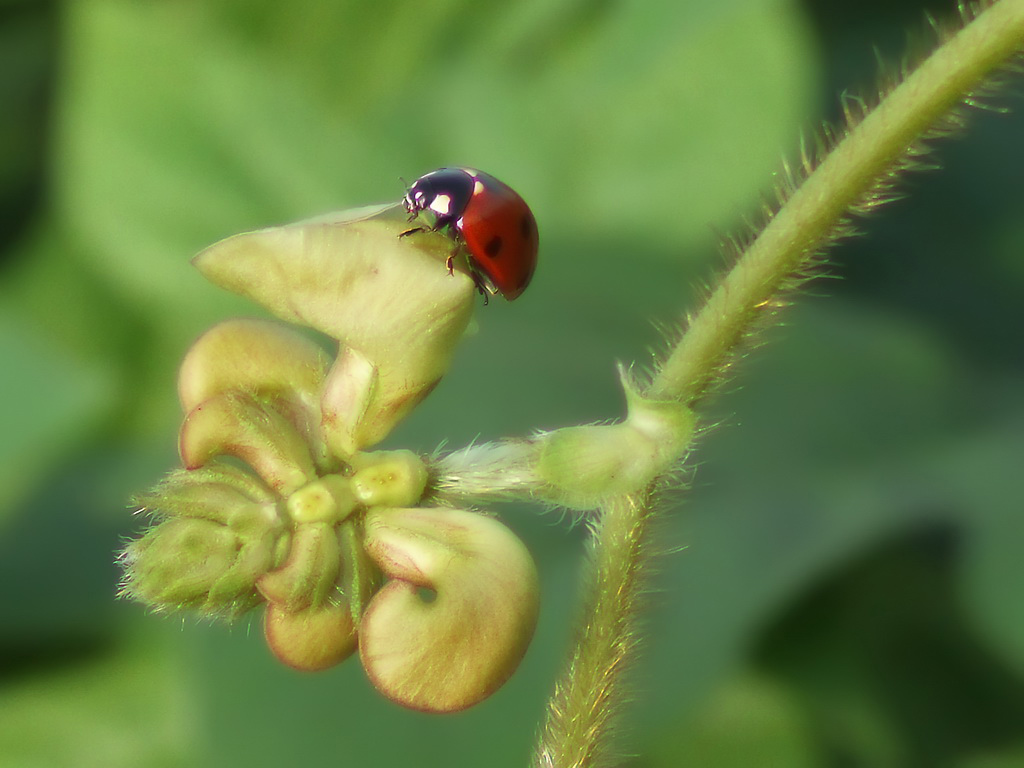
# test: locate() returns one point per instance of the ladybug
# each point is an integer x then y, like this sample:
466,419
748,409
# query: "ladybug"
486,218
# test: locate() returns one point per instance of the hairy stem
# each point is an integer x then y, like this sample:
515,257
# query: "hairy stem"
842,183
582,711
590,695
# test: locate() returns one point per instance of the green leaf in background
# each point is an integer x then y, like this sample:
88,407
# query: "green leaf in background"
50,402
130,708
751,721
992,572
176,132
649,120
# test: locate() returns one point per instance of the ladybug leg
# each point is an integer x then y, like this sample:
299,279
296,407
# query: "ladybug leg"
481,285
478,280
439,223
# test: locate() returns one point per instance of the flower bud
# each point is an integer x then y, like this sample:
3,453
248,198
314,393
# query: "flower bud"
360,578
312,639
242,480
389,478
191,563
235,424
261,357
217,492
327,500
218,535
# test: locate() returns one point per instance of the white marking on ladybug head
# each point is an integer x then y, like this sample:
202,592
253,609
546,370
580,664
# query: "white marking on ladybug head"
441,204
414,201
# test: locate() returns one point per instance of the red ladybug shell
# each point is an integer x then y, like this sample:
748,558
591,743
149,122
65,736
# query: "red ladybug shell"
489,218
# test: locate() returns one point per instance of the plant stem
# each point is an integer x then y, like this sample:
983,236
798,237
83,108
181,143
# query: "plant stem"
590,695
583,708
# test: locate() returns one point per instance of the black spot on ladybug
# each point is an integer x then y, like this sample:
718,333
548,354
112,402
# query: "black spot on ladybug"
526,227
493,247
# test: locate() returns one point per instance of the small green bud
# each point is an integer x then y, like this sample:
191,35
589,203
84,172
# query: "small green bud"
190,563
213,543
327,500
360,578
389,478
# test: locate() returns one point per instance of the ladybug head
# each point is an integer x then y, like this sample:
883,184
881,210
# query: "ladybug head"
445,193
418,198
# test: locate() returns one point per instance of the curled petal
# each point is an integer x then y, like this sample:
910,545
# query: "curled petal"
272,363
258,356
459,610
235,424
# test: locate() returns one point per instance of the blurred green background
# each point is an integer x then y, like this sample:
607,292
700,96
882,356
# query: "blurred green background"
847,583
